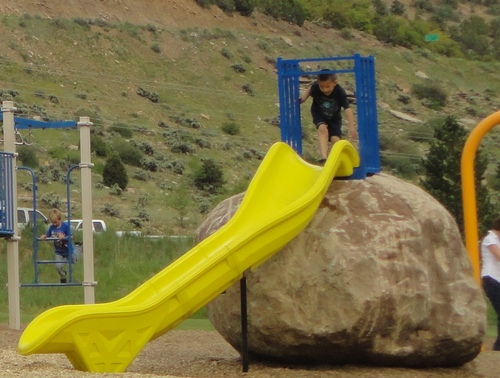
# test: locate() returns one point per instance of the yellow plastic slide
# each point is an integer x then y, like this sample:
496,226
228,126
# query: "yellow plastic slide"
280,201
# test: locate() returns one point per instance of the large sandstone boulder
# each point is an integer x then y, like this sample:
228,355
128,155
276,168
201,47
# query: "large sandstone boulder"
380,276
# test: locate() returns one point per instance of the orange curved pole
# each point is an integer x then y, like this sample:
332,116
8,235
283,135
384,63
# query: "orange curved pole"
469,189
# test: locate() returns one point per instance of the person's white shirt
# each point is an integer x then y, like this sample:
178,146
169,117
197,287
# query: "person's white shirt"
490,264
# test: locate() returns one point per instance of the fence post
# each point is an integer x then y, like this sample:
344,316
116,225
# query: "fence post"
88,236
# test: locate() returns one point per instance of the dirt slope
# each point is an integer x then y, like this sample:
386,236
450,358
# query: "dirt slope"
165,14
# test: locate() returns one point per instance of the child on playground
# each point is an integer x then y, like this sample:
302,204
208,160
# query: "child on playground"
59,231
328,99
490,271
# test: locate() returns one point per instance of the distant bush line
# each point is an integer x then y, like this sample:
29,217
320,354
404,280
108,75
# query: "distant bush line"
457,36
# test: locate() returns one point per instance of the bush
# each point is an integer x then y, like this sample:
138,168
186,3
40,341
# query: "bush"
183,148
398,31
244,7
205,3
122,129
398,8
248,89
231,128
98,145
28,157
225,5
208,177
288,10
430,91
114,172
226,53
127,153
238,67
156,48
402,166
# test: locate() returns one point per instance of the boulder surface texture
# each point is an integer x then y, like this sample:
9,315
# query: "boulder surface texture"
380,276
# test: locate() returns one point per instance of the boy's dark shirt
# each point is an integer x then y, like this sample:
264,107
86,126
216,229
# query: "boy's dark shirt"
329,106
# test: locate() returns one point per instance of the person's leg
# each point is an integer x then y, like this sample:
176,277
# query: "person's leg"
334,133
60,267
323,140
492,289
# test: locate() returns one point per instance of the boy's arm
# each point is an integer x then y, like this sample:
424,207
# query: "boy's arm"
353,132
47,233
305,96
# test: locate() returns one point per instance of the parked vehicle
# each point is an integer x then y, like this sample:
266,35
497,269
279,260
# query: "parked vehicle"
98,225
26,215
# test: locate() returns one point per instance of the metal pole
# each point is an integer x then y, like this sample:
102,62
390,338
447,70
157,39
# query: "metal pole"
71,246
88,237
469,190
8,110
35,221
244,323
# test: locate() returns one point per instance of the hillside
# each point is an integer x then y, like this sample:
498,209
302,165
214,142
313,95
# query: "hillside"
162,75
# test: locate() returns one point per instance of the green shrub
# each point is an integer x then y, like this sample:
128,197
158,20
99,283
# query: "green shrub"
182,148
398,31
288,10
238,67
156,48
264,46
244,7
122,129
209,176
225,5
380,7
398,8
431,92
98,145
346,33
205,3
128,154
231,128
114,172
65,154
248,89
28,157
402,166
226,53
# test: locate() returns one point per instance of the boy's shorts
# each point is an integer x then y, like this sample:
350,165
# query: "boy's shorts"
333,127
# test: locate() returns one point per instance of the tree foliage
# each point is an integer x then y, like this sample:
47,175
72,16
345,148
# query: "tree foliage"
474,37
209,176
114,172
443,173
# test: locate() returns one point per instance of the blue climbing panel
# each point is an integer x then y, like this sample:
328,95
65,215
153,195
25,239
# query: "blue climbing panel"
289,73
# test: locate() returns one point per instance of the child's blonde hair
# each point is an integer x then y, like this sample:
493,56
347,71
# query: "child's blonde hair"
55,215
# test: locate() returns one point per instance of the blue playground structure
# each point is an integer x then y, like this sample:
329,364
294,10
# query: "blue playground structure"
6,194
289,73
6,201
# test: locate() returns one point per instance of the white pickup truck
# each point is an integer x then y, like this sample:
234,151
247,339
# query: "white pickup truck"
98,225
25,216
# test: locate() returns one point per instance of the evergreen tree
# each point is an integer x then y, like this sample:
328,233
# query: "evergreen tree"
114,172
209,176
443,174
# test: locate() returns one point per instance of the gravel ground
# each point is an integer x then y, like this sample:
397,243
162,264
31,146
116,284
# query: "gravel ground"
206,354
